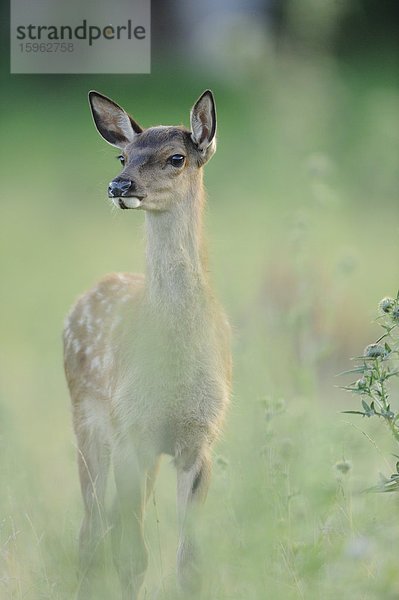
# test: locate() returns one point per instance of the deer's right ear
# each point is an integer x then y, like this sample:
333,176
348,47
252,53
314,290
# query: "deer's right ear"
112,122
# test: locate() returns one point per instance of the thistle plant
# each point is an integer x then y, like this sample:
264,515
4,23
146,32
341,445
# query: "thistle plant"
375,370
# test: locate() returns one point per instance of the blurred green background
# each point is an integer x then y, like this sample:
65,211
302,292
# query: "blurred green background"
302,223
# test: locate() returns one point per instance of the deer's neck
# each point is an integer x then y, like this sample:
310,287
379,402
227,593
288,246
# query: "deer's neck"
177,277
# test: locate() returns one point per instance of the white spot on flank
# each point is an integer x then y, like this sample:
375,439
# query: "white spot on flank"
116,322
76,346
86,318
95,363
107,360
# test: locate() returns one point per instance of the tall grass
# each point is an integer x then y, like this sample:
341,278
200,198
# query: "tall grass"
302,225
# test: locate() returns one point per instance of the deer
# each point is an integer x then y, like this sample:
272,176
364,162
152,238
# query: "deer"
148,357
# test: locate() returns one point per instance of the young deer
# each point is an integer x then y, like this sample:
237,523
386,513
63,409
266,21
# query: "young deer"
147,359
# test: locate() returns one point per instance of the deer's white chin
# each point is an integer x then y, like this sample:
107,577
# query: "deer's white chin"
127,202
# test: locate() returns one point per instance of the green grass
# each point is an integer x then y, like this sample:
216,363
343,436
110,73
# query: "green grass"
302,225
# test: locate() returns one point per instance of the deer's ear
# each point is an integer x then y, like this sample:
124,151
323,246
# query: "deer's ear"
203,123
112,122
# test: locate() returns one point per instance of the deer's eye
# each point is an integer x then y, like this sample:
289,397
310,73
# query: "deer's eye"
177,160
122,159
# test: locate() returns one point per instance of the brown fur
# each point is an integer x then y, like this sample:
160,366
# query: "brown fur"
147,359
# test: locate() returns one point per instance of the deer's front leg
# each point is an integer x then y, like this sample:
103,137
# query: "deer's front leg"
193,479
130,551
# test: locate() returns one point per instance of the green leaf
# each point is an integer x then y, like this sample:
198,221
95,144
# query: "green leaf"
386,485
387,328
361,369
383,478
354,412
365,406
354,390
348,388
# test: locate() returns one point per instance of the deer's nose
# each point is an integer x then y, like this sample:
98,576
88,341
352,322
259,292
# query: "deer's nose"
119,188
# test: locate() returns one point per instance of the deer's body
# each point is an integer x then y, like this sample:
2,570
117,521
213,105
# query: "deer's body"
147,359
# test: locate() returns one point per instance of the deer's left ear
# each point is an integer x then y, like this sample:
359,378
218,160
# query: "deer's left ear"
203,124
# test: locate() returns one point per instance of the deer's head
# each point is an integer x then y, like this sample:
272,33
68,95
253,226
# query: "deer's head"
160,164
